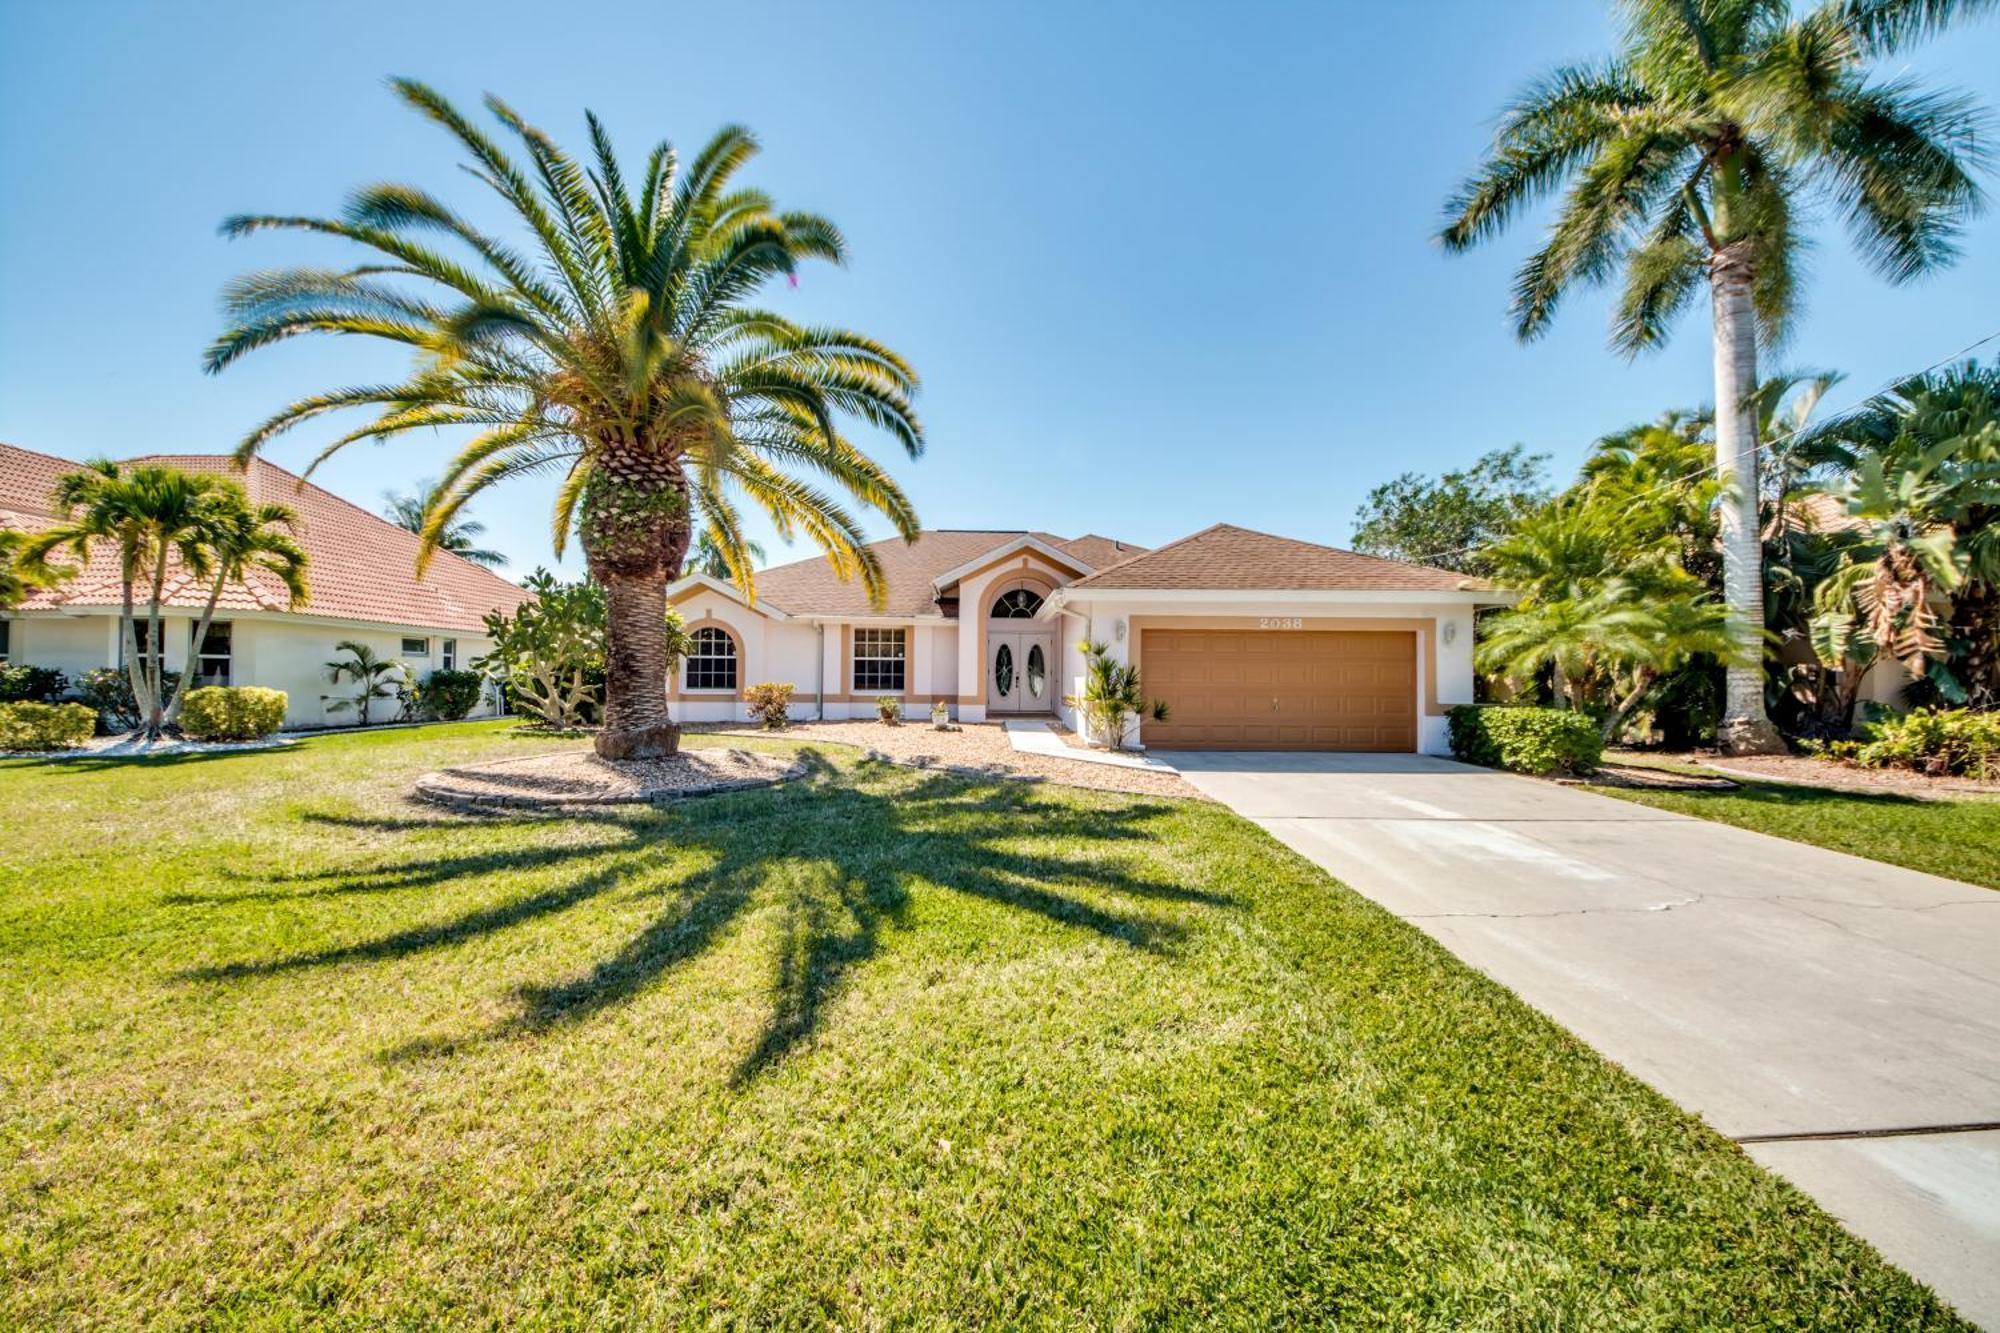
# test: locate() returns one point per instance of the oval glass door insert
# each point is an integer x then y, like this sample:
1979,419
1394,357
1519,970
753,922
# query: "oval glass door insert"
1003,671
1038,672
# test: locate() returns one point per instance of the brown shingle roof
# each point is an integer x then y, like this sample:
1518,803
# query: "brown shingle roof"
810,587
362,567
1227,558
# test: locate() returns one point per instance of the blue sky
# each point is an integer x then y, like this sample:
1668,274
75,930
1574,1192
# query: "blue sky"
1160,265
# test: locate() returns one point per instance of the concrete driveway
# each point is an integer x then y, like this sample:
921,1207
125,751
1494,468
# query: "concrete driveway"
1838,1017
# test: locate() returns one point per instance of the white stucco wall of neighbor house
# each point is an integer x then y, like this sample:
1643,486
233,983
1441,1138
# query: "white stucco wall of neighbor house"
278,652
1442,623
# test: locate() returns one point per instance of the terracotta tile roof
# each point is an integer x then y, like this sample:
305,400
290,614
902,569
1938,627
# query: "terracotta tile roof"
810,588
1227,558
362,566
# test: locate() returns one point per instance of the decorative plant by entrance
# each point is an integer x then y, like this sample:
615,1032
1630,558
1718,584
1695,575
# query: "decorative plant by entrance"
1111,694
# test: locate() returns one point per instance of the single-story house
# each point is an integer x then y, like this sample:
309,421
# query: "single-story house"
362,576
1253,641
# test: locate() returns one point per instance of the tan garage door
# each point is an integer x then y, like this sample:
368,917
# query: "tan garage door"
1281,689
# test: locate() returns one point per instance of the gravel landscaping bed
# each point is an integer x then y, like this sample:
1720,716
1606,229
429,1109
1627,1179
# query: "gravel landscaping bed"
1822,773
579,777
975,747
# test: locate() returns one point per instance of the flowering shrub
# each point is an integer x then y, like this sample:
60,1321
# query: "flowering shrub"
770,703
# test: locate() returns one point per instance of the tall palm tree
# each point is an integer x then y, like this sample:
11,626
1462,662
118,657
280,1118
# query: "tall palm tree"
460,536
239,536
153,516
621,352
1688,157
17,578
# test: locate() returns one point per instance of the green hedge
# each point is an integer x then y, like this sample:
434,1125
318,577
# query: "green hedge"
1954,741
21,683
33,726
450,695
232,712
1526,740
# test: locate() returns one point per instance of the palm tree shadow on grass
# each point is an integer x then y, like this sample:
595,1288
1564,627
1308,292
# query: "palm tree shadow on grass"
840,855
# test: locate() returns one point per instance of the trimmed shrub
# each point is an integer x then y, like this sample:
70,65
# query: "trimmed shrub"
32,684
109,691
770,703
38,726
450,695
1525,740
232,712
1954,742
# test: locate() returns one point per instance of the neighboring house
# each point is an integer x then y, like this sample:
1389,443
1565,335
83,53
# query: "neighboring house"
362,576
1254,641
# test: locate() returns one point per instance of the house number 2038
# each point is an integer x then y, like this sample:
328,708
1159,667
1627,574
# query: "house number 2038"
1279,622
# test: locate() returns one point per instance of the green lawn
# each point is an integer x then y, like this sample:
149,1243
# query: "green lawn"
878,1048
1957,839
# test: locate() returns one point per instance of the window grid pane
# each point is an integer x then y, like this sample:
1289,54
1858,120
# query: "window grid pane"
711,661
878,659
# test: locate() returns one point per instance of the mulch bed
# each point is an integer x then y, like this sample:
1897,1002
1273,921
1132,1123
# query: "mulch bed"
579,777
1802,769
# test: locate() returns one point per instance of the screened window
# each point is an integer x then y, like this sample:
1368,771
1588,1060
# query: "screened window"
416,647
878,659
449,653
711,660
1020,604
212,655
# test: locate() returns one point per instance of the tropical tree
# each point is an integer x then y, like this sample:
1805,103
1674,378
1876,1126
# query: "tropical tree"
1689,157
460,536
18,578
621,352
1448,521
379,678
153,517
707,556
1936,441
550,652
238,536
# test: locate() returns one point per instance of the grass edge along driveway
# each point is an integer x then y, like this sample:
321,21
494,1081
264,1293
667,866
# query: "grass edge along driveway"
880,1047
1957,837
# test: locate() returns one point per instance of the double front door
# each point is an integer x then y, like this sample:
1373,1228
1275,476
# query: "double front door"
1020,671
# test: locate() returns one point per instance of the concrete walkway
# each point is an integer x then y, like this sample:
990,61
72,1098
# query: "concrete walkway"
1033,737
1839,1017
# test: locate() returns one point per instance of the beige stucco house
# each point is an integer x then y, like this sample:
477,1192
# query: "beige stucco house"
362,576
1253,641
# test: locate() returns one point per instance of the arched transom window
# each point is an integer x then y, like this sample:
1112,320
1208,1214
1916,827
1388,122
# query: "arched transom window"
711,660
1020,604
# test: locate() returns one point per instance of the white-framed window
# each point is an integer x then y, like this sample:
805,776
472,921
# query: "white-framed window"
212,656
416,647
1020,604
878,659
6,639
448,652
711,660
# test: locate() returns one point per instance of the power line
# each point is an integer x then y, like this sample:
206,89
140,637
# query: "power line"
1837,417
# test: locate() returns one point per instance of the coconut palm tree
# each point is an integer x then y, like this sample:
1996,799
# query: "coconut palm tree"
1689,158
621,352
237,537
153,516
18,579
460,536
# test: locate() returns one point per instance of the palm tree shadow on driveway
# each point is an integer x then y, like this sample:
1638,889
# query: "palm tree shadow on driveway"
839,851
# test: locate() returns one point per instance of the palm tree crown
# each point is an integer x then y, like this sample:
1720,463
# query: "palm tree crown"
624,355
1701,139
460,536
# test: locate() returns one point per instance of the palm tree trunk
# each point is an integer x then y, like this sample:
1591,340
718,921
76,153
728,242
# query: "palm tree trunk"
1744,728
194,653
636,723
156,649
1976,623
128,631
